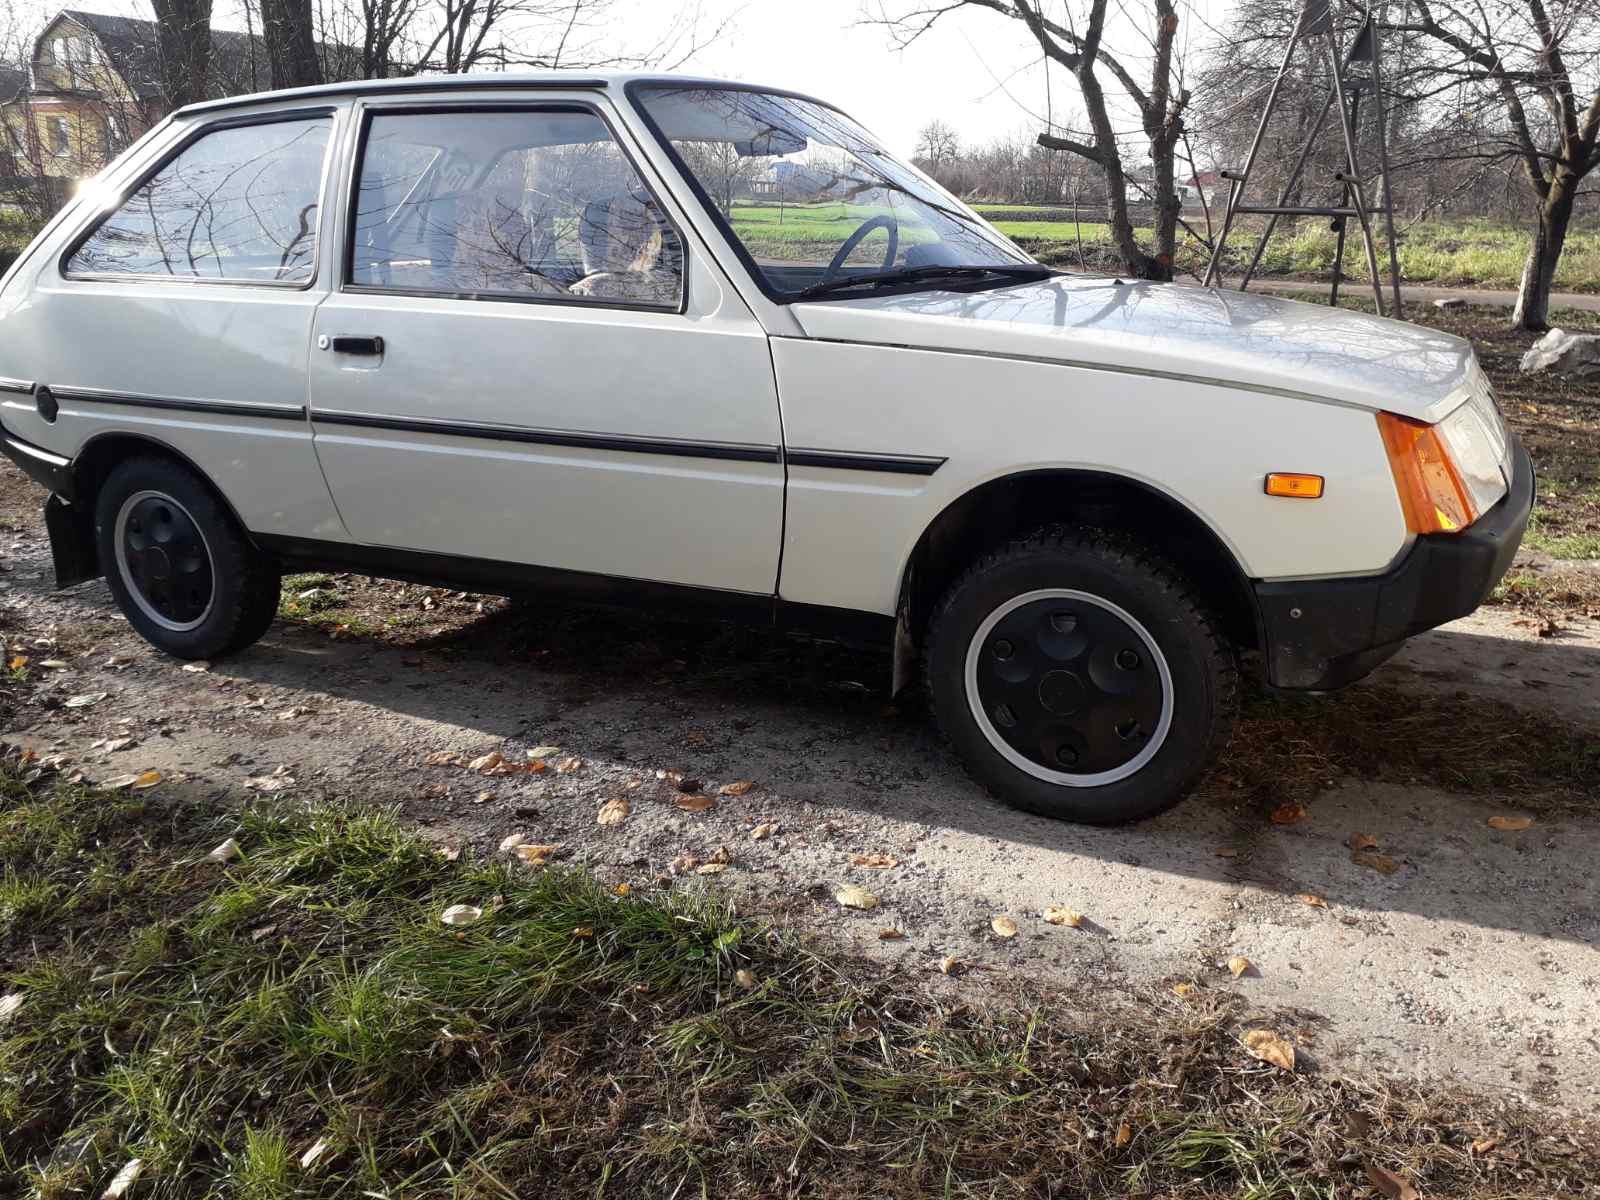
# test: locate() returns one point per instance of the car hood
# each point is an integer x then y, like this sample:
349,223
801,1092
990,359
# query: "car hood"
1170,330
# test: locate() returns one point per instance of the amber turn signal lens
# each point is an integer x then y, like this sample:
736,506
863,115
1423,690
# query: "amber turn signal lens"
1432,495
1300,487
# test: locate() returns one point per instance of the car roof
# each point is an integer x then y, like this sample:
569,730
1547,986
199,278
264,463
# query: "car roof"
480,81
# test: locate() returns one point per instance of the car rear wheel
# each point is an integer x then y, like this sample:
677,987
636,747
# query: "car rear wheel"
1078,677
177,562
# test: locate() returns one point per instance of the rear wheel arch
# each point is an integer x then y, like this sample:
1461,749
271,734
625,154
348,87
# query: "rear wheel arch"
101,454
1013,505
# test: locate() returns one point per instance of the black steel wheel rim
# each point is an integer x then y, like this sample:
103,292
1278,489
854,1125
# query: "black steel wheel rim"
164,560
1069,687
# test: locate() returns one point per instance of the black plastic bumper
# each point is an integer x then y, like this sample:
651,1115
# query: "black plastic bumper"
50,470
1325,633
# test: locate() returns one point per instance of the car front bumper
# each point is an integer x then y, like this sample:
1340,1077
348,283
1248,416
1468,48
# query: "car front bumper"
1320,634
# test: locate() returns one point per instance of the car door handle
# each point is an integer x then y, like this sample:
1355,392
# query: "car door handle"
347,344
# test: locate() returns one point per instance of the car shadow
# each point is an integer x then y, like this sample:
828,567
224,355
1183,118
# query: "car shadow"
815,723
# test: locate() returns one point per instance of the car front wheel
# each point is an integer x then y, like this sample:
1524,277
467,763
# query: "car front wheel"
177,562
1079,677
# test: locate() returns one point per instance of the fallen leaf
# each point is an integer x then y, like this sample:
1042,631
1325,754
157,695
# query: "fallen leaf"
121,743
891,935
711,868
55,664
1238,965
1225,852
874,862
1390,1185
120,782
1124,1134
737,788
17,662
442,758
83,701
685,785
486,762
1269,1048
851,896
1056,915
535,856
1381,863
1183,989
622,889
614,811
948,964
762,832
1510,824
1484,1145
146,779
511,841
1312,899
126,1178
568,765
225,852
461,914
1004,927
696,803
1289,813
310,1157
1361,841
276,782
196,667
543,751
583,932
745,978
9,1004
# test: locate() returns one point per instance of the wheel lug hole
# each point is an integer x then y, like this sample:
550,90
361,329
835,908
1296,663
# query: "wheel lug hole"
1063,622
1067,756
1003,649
1128,660
1004,716
1128,730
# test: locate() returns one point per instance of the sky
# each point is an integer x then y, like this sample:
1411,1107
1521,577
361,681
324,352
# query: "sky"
976,71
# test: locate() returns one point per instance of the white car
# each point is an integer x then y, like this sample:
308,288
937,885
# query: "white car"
688,343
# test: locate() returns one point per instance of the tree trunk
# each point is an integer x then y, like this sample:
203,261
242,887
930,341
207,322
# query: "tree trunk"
183,43
1532,312
291,48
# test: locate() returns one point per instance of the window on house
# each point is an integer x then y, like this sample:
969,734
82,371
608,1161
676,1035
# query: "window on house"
533,205
239,204
60,137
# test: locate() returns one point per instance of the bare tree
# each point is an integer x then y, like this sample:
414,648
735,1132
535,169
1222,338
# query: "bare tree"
291,45
1540,62
937,146
183,44
1077,43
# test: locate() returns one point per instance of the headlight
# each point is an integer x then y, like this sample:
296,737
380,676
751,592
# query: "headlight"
1448,474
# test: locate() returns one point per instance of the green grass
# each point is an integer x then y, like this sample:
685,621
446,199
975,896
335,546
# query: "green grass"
217,1021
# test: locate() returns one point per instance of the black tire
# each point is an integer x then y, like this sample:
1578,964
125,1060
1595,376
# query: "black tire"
1042,698
188,578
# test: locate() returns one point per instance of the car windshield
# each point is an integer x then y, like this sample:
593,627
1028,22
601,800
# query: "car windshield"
815,202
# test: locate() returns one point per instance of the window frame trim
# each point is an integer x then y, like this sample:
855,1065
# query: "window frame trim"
167,158
404,106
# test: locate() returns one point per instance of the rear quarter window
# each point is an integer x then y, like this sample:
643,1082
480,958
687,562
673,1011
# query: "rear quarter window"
237,204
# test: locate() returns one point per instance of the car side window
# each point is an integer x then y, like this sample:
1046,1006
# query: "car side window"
238,204
532,205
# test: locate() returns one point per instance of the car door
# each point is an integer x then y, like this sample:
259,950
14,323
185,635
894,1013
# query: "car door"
183,311
528,363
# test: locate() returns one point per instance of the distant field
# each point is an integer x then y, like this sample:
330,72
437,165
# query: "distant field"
1467,253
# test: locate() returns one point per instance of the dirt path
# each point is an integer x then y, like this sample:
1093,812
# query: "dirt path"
1476,960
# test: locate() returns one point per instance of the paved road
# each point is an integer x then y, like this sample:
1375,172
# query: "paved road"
1583,302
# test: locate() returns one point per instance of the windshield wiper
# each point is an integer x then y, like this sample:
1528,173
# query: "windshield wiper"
877,279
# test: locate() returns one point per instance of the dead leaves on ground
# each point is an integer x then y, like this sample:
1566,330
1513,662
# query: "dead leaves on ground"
1311,900
737,788
1289,813
696,802
1004,927
851,896
1057,915
1269,1047
1510,824
614,811
874,862
1390,1184
1238,965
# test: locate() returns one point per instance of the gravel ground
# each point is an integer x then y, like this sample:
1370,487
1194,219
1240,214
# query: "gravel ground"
1467,953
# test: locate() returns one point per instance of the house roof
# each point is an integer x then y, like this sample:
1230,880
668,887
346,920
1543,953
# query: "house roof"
239,60
13,82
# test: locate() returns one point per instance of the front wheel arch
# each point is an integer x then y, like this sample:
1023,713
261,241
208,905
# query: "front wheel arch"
998,510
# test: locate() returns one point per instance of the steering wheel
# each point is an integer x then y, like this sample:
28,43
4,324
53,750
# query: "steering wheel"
882,221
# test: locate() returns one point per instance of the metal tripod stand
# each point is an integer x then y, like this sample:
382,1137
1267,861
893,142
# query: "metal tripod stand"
1353,75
